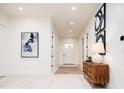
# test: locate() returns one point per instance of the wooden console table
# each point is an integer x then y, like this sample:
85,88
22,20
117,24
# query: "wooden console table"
97,74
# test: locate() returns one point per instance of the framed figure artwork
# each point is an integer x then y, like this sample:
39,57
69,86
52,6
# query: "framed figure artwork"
29,44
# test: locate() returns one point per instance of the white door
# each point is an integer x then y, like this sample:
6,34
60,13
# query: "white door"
68,55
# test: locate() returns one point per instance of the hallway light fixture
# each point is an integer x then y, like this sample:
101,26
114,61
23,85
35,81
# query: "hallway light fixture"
20,8
71,23
70,31
73,8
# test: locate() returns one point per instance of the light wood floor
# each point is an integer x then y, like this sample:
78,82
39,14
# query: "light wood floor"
69,70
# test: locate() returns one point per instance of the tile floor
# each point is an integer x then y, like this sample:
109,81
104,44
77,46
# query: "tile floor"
57,81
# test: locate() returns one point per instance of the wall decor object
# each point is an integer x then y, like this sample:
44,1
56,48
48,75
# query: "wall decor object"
100,19
100,38
100,26
121,38
29,44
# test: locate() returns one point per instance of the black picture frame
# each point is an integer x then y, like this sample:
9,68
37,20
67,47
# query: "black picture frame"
37,46
101,38
100,19
100,26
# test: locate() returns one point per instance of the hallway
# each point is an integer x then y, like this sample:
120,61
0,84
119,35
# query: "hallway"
37,39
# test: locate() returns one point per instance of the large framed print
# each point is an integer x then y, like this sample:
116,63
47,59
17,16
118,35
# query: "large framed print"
100,26
100,19
101,38
29,44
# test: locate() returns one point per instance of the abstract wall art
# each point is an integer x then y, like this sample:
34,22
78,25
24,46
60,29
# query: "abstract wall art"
29,44
100,26
100,19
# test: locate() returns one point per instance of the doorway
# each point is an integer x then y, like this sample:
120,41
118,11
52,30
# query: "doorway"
69,52
68,55
69,60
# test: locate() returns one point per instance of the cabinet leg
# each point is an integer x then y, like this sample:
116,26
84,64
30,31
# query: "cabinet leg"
103,84
92,84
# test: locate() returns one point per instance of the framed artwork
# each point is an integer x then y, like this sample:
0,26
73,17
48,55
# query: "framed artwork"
100,19
29,44
100,38
100,26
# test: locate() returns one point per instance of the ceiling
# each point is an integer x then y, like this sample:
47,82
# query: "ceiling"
61,14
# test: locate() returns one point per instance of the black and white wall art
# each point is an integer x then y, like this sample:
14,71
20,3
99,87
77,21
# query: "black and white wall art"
29,44
100,20
100,25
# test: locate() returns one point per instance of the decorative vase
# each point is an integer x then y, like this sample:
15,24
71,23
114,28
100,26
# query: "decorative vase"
97,58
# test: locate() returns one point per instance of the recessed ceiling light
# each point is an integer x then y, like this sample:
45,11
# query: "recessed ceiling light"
73,8
20,8
70,30
71,23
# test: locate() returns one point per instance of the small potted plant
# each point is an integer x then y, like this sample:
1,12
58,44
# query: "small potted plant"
89,59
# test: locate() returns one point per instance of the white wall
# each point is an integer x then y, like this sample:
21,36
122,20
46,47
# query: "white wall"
89,29
3,19
17,65
80,52
91,39
75,42
56,42
3,27
114,47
